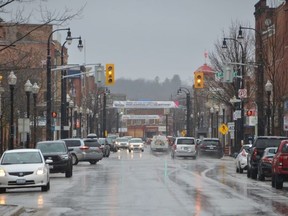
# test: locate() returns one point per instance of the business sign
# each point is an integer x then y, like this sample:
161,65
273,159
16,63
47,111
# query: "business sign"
141,117
144,104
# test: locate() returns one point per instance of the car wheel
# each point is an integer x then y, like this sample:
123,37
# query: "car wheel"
278,181
240,169
74,159
108,154
46,187
237,169
142,150
253,174
260,176
69,172
129,150
2,190
93,161
273,181
248,173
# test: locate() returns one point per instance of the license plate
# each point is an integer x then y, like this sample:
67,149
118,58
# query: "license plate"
20,181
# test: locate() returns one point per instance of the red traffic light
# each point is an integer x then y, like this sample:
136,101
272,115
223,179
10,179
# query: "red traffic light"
54,114
249,113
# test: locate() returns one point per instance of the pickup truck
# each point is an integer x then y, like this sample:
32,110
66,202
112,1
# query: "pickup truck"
280,165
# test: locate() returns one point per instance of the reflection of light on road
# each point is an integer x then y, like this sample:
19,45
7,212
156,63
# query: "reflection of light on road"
198,199
2,200
40,201
222,171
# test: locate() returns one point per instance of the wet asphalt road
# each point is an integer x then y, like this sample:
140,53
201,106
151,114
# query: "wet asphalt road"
145,183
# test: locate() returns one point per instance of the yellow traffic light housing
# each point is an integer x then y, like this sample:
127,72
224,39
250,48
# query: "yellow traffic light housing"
110,78
198,80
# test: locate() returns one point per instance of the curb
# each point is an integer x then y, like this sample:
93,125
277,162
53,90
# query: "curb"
14,210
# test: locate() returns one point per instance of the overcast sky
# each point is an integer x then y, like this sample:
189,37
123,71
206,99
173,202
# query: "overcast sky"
149,38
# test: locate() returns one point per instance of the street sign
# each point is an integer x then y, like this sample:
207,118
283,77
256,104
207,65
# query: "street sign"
242,93
231,126
223,129
236,114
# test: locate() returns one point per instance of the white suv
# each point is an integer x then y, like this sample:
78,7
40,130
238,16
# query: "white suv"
184,147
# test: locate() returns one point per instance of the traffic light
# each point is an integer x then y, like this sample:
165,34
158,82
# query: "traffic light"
198,80
109,74
250,113
54,114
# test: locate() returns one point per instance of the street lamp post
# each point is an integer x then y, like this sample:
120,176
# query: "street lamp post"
48,93
240,85
35,90
71,106
268,89
64,120
212,121
260,79
106,91
12,79
188,111
28,90
1,131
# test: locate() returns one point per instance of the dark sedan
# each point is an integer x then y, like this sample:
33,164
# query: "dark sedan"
210,147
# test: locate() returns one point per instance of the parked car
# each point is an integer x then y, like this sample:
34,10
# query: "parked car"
184,147
280,165
22,168
265,163
105,147
241,158
122,142
210,147
136,144
61,157
159,143
81,151
256,152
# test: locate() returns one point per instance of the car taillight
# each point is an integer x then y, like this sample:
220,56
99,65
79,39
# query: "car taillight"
254,154
83,148
243,153
280,161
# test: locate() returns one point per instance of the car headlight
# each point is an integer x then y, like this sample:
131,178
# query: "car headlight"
41,171
2,172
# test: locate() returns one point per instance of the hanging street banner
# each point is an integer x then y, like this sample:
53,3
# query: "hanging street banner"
145,104
141,117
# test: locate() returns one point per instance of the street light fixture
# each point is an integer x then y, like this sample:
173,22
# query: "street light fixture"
260,78
28,90
64,120
48,93
12,79
188,111
35,90
268,89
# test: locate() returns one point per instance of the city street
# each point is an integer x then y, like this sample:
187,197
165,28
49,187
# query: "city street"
146,183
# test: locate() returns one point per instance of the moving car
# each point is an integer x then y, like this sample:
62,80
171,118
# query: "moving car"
21,168
84,151
241,158
265,163
122,142
159,143
184,147
210,147
280,165
256,152
136,144
57,151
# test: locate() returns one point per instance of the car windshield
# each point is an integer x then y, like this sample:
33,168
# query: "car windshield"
211,142
135,141
101,141
91,143
185,141
122,140
51,147
264,143
21,158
